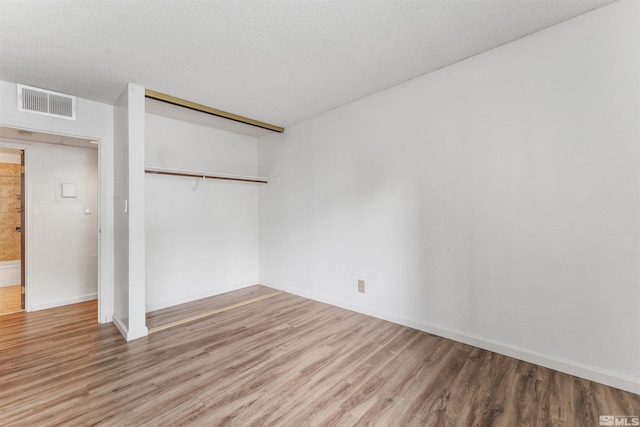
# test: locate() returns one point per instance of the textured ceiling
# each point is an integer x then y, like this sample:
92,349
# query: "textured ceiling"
277,61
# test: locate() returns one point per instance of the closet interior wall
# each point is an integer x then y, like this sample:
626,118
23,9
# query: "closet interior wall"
201,237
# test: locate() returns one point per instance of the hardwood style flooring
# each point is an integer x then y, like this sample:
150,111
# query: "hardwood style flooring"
203,307
10,299
283,361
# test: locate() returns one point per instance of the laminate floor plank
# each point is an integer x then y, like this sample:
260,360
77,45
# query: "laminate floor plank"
284,361
182,311
10,299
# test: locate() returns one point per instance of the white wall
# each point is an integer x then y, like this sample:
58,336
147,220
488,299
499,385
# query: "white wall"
494,201
62,242
204,242
94,120
129,142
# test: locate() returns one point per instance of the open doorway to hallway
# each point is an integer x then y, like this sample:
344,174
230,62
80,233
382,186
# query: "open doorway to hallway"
60,218
11,227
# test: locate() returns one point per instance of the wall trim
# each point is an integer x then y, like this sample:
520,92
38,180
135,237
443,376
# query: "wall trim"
129,335
62,301
119,324
134,334
570,367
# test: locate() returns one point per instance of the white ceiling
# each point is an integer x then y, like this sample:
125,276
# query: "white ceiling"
277,61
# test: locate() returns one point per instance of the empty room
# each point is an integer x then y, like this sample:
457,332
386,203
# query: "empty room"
321,213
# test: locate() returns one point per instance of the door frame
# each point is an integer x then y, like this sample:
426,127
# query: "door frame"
105,288
23,263
21,148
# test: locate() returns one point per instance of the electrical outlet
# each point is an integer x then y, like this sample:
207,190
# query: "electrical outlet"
361,286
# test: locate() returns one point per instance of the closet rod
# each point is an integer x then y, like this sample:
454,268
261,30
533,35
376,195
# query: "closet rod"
197,175
209,110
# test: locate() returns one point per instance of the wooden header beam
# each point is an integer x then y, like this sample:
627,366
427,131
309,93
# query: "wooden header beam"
209,110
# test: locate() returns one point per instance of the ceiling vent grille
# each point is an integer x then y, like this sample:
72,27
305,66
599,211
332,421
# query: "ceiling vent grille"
46,102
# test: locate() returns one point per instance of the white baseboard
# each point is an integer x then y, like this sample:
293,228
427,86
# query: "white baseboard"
570,367
129,335
61,302
134,334
10,273
119,324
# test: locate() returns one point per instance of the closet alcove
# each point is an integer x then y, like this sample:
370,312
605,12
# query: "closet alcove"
201,204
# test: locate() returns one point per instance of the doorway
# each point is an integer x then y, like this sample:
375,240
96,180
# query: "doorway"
12,269
59,227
